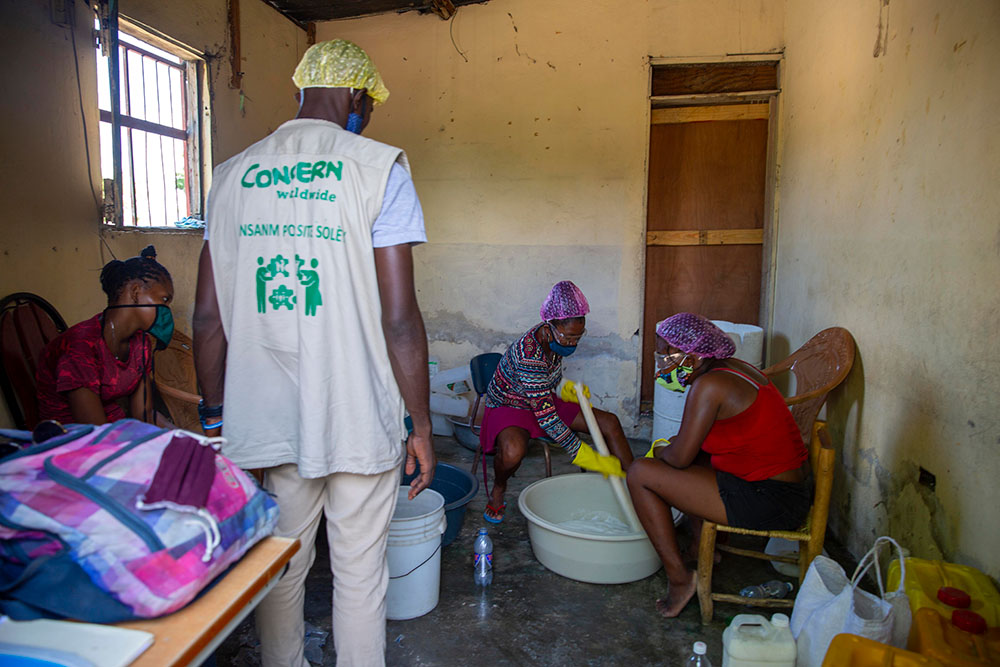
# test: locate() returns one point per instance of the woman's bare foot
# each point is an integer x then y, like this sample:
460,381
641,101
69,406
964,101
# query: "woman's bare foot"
678,595
497,494
495,508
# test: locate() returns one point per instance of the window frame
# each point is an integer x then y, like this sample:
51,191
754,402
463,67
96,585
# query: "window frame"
196,109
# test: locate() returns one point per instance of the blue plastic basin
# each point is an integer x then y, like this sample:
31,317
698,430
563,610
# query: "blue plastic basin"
458,487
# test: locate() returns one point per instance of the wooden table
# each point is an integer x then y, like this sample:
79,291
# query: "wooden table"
189,636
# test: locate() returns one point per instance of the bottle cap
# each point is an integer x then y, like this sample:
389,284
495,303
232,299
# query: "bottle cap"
779,620
954,597
970,621
700,648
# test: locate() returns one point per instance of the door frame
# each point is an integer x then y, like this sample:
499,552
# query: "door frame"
769,250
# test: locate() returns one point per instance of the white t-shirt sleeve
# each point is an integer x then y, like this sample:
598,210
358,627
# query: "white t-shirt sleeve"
401,219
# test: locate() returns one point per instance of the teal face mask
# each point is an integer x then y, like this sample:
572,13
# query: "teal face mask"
163,326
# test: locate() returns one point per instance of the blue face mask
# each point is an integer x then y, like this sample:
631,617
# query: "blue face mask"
354,122
557,347
562,350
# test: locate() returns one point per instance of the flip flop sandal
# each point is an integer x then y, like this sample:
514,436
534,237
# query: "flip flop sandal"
497,512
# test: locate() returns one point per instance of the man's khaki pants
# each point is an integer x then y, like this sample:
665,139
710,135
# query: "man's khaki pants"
358,510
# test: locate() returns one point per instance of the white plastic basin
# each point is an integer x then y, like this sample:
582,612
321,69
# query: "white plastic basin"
583,556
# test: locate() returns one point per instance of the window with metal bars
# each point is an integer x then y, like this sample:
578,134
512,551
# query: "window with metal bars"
161,153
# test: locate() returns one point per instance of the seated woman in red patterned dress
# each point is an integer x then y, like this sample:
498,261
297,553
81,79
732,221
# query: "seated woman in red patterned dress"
521,401
738,458
98,371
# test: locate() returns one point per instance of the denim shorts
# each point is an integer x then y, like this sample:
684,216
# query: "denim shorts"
764,505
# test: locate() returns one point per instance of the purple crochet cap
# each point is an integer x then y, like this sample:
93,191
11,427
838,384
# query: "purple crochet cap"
565,300
693,334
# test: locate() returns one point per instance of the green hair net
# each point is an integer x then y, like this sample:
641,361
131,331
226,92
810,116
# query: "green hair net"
339,63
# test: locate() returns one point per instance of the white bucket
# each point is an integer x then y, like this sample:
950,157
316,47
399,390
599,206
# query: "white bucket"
753,641
668,409
414,554
441,426
749,340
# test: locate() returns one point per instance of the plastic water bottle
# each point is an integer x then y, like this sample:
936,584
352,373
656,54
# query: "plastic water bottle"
483,559
698,657
770,589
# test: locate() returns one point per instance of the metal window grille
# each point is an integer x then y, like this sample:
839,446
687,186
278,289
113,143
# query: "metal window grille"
159,134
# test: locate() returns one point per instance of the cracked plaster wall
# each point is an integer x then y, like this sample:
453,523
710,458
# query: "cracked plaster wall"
528,151
49,241
890,226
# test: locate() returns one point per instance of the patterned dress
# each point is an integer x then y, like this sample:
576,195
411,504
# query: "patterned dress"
526,379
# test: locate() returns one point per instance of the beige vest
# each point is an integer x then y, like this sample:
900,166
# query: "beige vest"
308,379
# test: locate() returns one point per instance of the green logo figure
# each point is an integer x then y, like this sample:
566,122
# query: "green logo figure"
263,276
283,296
310,280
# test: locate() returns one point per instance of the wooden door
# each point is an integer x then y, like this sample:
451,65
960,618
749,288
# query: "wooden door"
705,218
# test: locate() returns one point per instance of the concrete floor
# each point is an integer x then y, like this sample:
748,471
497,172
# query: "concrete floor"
530,616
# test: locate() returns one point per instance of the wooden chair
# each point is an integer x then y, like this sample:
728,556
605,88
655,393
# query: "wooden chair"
482,368
177,382
819,366
27,324
810,536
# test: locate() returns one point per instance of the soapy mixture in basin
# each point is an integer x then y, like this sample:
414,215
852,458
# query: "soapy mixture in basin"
596,522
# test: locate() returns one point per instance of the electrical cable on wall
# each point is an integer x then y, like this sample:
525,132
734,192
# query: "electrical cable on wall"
98,207
83,119
451,33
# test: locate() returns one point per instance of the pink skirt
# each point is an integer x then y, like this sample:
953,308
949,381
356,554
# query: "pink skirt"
497,419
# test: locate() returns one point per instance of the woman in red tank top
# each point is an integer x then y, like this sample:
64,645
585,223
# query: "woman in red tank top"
738,458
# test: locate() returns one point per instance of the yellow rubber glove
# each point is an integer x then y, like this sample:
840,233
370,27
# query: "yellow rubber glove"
567,391
587,458
659,442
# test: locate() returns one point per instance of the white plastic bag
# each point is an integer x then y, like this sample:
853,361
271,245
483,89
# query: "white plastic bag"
828,604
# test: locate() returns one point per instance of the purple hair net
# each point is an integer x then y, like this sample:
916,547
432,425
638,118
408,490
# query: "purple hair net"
565,300
693,334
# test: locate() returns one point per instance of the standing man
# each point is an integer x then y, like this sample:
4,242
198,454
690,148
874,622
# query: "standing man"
315,379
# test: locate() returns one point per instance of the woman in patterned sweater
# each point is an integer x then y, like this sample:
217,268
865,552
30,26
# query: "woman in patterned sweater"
521,403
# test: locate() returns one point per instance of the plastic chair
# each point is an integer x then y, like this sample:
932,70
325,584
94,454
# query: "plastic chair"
819,366
482,368
27,324
810,536
177,383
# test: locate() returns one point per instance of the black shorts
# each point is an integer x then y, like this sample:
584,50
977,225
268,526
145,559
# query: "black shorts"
764,505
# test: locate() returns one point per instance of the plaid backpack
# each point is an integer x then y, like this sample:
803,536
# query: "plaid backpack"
78,538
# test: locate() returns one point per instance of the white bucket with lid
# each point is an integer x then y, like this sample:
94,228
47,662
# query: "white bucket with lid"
749,340
753,641
414,554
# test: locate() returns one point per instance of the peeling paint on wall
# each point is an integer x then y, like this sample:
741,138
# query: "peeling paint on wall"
875,155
